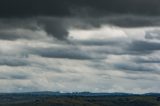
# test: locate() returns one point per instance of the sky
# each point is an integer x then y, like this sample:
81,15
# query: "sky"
80,45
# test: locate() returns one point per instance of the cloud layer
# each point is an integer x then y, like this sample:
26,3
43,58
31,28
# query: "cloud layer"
62,46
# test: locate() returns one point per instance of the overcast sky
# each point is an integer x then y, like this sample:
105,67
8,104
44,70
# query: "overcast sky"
80,45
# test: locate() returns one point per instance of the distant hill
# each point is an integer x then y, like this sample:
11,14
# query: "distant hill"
48,93
78,99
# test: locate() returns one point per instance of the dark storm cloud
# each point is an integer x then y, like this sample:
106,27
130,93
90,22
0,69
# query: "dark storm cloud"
122,6
58,27
121,20
23,8
54,26
13,35
58,16
13,28
134,21
27,8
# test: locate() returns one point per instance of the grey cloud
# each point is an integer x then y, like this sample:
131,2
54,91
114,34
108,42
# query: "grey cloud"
13,29
154,34
120,47
121,20
14,34
14,76
150,61
59,27
55,27
99,65
133,67
13,61
134,21
49,50
94,42
149,77
144,46
63,8
53,61
64,50
100,42
10,23
136,47
69,53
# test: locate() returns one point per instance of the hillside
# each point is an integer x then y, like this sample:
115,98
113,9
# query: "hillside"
49,99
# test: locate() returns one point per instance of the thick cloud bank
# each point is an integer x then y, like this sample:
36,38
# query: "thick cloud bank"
85,45
23,8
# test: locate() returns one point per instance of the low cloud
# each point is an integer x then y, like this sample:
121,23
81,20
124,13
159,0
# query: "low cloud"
154,34
144,47
17,28
13,61
134,67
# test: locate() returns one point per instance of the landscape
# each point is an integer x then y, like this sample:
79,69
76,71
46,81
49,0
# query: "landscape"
79,99
79,52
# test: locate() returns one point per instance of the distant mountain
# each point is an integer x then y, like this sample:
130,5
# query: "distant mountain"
47,93
152,94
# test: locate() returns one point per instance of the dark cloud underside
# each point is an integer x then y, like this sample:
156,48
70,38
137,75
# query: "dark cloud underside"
23,8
